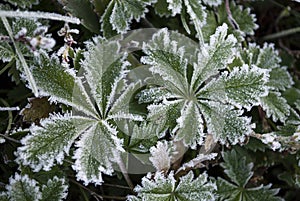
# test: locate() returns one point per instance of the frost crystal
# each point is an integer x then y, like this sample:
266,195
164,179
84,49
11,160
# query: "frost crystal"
160,156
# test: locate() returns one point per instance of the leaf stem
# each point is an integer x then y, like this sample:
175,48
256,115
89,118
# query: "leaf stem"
27,72
282,33
123,170
10,116
40,15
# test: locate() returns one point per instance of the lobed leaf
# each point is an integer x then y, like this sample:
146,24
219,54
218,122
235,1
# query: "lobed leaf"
54,190
214,56
23,3
95,152
163,188
62,85
49,143
243,87
276,106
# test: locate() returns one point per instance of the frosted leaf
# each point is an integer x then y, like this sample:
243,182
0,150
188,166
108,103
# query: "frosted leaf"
104,67
268,57
189,127
4,196
21,187
280,79
153,95
212,2
197,161
163,188
175,6
164,114
240,172
23,3
242,87
225,123
61,84
166,59
236,168
2,140
55,189
275,106
161,8
160,156
123,12
214,57
95,152
197,14
49,143
6,52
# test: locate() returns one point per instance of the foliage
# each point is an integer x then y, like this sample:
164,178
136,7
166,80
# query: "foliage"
201,108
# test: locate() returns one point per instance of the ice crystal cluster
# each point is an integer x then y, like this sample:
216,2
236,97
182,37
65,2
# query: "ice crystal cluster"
189,97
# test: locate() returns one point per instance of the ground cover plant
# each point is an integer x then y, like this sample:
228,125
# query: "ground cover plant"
182,100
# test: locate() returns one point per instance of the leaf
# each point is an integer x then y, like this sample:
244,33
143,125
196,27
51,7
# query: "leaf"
54,190
175,6
163,188
104,67
48,143
225,123
197,15
268,57
276,106
161,8
95,152
123,12
61,84
6,52
21,187
167,60
244,20
243,87
240,172
23,3
280,79
236,168
106,26
83,10
214,57
160,156
190,126
37,109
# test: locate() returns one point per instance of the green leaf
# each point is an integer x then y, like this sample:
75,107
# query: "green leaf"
244,22
280,79
225,123
106,26
54,190
95,151
190,126
83,9
6,52
161,8
48,143
21,187
175,6
23,3
239,172
197,15
163,188
123,12
243,87
212,2
167,60
236,168
104,67
214,57
268,57
275,106
61,84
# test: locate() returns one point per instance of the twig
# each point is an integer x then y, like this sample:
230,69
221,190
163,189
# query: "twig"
40,15
117,186
123,170
231,20
10,139
282,33
27,72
